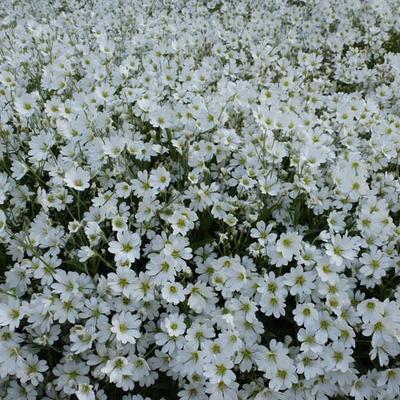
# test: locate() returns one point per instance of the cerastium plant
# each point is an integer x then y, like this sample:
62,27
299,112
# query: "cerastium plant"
199,199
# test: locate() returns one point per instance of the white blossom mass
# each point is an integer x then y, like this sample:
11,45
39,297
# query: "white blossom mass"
200,199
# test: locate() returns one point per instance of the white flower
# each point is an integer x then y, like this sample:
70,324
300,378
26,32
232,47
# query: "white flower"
173,293
11,313
220,371
116,368
288,245
160,178
127,248
337,357
174,325
26,104
77,178
342,248
85,392
125,325
33,370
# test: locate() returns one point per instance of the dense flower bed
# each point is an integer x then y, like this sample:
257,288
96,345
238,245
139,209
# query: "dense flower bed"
199,199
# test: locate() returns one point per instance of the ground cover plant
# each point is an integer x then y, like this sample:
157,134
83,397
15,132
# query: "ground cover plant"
199,200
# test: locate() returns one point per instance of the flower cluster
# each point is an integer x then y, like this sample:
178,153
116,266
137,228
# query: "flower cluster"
200,199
